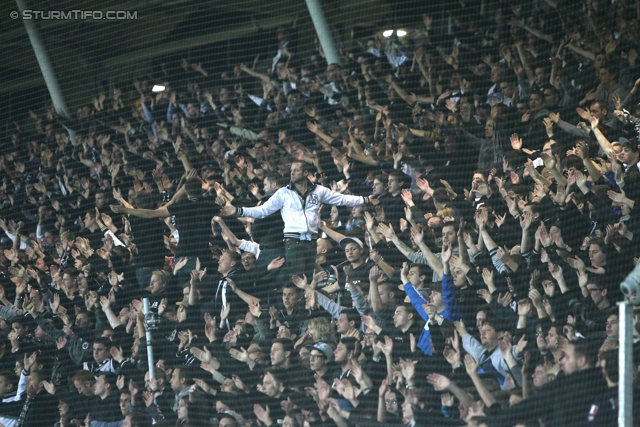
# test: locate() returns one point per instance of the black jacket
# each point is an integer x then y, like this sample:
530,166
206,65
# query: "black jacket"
563,402
41,410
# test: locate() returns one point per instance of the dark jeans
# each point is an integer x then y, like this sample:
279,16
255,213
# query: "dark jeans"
301,257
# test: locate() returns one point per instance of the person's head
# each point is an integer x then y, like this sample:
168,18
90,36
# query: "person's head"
598,109
541,340
101,349
158,282
17,367
49,239
225,95
551,96
101,200
353,251
333,72
320,355
597,256
489,131
612,327
69,278
20,326
182,411
387,291
542,75
281,351
227,262
578,356
323,246
303,357
272,182
435,298
63,408
417,274
349,319
497,73
299,172
629,152
347,348
291,296
357,212
160,377
491,330
8,382
459,277
608,74
380,183
450,234
89,218
272,384
481,313
35,382
394,183
337,213
509,87
403,316
608,361
535,102
125,401
321,329
534,210
555,334
248,261
84,382
598,291
181,378
540,376
513,160
105,384
226,420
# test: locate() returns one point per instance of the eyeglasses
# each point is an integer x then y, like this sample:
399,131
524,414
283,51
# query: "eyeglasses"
370,335
391,402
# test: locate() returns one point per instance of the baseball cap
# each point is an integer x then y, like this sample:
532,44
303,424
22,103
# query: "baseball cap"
323,348
631,144
347,240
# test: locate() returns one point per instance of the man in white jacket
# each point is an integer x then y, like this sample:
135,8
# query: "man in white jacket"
299,204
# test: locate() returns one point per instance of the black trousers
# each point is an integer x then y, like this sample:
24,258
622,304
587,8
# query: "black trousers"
300,257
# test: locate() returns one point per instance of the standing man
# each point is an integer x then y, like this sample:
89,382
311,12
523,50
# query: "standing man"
39,407
299,204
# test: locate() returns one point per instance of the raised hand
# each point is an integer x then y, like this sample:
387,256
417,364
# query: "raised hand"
505,300
470,364
439,382
387,231
386,346
446,253
485,295
516,142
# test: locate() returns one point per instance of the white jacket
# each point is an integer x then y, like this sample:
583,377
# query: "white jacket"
301,216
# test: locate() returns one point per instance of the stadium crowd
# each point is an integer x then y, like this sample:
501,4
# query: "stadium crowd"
432,232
